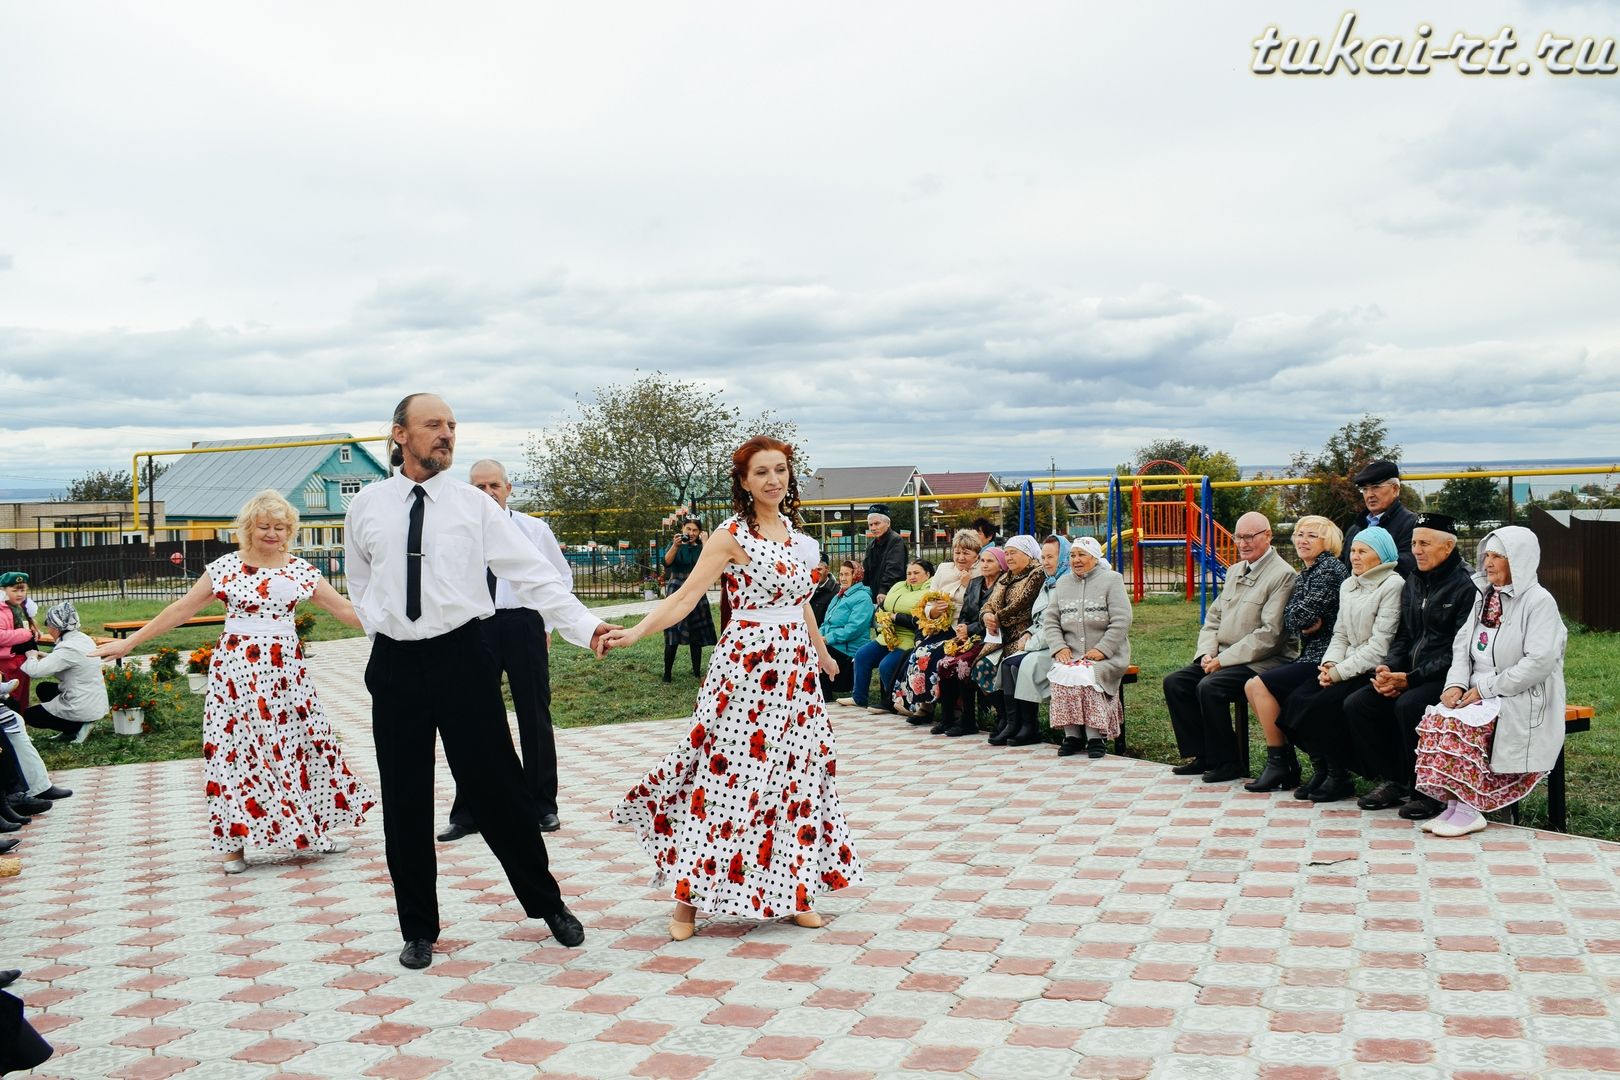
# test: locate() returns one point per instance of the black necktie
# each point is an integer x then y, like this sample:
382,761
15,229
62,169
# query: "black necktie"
489,576
413,558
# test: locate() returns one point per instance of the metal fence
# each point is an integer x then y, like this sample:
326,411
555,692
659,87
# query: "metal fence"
114,571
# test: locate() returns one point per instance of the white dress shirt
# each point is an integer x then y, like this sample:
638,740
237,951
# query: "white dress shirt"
463,532
540,535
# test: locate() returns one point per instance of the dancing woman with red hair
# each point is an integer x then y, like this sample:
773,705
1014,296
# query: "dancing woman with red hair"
742,818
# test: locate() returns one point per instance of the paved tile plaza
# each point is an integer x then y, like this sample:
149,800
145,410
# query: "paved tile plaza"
1022,917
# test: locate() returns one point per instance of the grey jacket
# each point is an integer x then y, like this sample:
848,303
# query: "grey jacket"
1090,611
1369,615
1244,626
1528,656
83,693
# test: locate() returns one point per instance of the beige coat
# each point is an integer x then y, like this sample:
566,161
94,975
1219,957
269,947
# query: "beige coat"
1244,625
1369,615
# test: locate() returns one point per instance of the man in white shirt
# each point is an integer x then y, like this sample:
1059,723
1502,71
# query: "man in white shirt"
517,637
417,547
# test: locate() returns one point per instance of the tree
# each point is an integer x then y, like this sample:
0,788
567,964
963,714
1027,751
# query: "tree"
637,449
1471,500
105,485
1345,453
1199,460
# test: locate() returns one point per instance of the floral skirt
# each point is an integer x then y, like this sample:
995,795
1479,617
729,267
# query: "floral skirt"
960,666
918,687
1073,706
1454,762
986,673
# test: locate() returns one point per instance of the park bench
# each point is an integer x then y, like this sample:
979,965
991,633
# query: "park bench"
126,627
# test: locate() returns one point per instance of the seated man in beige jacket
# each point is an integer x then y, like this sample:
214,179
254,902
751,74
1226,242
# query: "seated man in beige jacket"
1242,636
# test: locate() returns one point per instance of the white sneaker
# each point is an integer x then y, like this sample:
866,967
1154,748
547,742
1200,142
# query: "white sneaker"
845,701
8,686
1461,828
84,732
332,845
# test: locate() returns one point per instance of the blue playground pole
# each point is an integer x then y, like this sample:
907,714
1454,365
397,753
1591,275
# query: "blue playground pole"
1206,540
1113,544
1026,509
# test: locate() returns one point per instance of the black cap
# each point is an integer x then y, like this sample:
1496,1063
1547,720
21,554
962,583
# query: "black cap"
1431,519
878,508
1377,472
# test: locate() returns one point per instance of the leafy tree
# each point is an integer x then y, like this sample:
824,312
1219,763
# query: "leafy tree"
1472,500
1345,453
106,485
637,449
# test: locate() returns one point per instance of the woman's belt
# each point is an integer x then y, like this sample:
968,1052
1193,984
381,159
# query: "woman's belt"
246,625
773,616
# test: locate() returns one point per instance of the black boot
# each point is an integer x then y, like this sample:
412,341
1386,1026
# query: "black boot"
1319,775
697,660
1281,771
670,649
968,722
1070,746
947,709
1005,723
1338,785
1028,729
1096,748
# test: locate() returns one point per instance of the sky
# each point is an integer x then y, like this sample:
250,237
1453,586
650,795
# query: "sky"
954,235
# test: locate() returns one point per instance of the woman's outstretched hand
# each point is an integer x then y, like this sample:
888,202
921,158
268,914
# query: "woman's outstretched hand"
113,650
616,637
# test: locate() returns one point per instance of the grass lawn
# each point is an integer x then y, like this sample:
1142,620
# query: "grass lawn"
628,686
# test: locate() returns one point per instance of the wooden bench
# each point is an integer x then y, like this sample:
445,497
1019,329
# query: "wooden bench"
1130,676
126,627
1577,718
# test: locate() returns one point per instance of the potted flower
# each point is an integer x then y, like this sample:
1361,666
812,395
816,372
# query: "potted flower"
164,664
197,668
130,694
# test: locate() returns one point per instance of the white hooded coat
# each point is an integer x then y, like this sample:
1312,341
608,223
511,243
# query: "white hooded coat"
1528,655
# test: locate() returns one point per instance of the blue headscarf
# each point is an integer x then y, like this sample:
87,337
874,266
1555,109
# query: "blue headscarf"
1063,563
1379,540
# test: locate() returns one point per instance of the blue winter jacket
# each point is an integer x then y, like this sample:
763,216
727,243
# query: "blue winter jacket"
849,619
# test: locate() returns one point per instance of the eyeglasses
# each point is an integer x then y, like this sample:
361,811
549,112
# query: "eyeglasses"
1244,538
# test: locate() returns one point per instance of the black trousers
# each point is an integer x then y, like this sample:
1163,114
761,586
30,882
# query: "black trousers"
517,637
1314,720
832,687
1201,711
1383,731
40,717
405,679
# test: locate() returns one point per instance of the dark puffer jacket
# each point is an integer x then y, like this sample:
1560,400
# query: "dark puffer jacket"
1434,605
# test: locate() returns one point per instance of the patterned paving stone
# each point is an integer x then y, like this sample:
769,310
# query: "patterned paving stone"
1023,916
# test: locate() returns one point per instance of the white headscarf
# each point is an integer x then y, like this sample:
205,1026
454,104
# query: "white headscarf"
1026,545
1091,547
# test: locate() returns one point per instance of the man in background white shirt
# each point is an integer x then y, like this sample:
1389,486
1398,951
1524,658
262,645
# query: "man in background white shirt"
517,636
417,547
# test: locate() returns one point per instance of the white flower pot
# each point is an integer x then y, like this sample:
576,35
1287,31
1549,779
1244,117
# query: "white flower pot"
128,721
197,680
648,594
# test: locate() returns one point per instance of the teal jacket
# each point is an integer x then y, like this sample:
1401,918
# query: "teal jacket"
849,618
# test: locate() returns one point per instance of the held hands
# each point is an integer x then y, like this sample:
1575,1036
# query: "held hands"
1211,664
1456,698
607,637
1324,675
1389,683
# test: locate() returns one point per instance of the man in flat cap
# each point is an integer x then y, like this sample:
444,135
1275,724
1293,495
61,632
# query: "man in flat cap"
1382,719
1380,487
885,561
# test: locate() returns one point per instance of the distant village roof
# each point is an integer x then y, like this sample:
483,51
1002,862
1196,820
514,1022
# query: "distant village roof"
960,483
862,483
216,485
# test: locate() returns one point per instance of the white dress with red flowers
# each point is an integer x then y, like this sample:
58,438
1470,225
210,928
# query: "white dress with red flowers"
275,776
743,817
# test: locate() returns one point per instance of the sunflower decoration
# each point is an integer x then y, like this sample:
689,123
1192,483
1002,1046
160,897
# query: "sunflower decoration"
883,623
939,602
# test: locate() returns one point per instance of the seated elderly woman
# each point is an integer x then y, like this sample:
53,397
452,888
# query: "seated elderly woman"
78,698
894,635
1499,727
1310,615
958,697
1007,616
1087,627
1369,612
1023,675
916,691
847,626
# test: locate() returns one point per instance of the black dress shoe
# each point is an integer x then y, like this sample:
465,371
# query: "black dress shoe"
1385,796
1220,774
1096,748
1191,768
549,823
564,927
7,844
9,813
54,792
25,804
9,976
456,832
1420,808
1070,746
417,953
1338,785
7,825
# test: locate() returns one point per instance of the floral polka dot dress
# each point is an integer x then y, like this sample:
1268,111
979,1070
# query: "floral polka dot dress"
743,817
275,775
